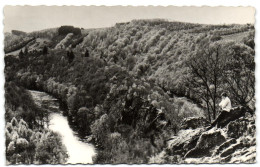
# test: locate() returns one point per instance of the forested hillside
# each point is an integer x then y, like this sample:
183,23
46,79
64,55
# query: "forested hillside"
129,87
28,141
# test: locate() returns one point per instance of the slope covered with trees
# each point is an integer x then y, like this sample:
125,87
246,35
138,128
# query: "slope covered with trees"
27,141
129,87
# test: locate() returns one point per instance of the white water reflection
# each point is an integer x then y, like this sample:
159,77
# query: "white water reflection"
78,151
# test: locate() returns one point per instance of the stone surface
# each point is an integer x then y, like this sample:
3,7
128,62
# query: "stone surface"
231,149
225,145
233,142
225,117
240,127
245,155
194,122
184,141
207,141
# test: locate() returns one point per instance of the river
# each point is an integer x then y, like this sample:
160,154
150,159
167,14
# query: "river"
78,151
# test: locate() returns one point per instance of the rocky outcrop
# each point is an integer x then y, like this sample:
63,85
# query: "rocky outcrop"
231,149
194,122
233,141
207,141
225,117
243,125
183,141
244,155
224,145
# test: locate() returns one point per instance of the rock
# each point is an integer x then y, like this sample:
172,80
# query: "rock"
240,127
174,159
245,155
184,141
207,141
192,143
158,158
226,159
225,117
89,139
225,145
231,149
194,122
233,142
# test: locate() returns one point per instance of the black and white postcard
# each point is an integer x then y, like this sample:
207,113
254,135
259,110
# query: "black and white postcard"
129,85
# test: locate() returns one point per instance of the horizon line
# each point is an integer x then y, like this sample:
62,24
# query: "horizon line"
10,31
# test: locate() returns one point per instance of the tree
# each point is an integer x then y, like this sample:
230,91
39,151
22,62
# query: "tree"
21,54
130,62
64,30
249,40
45,50
86,53
18,33
71,101
206,65
26,51
70,56
142,68
84,119
32,146
239,75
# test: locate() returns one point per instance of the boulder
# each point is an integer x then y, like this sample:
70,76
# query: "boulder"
184,141
225,117
225,145
240,127
194,122
206,143
227,152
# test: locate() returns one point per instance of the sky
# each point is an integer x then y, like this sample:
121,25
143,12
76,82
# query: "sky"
33,18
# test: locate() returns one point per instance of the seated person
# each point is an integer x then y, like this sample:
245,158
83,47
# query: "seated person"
225,103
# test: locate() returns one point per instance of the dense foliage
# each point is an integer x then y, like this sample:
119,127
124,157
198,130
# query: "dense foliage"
217,67
64,30
27,142
128,86
27,146
15,45
19,104
19,33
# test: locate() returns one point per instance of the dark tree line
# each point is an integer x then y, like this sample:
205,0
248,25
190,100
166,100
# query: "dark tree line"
64,30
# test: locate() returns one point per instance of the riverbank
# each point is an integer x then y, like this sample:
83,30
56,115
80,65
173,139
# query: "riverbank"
78,151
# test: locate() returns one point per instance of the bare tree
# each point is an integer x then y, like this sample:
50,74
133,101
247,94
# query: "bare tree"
239,75
206,66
